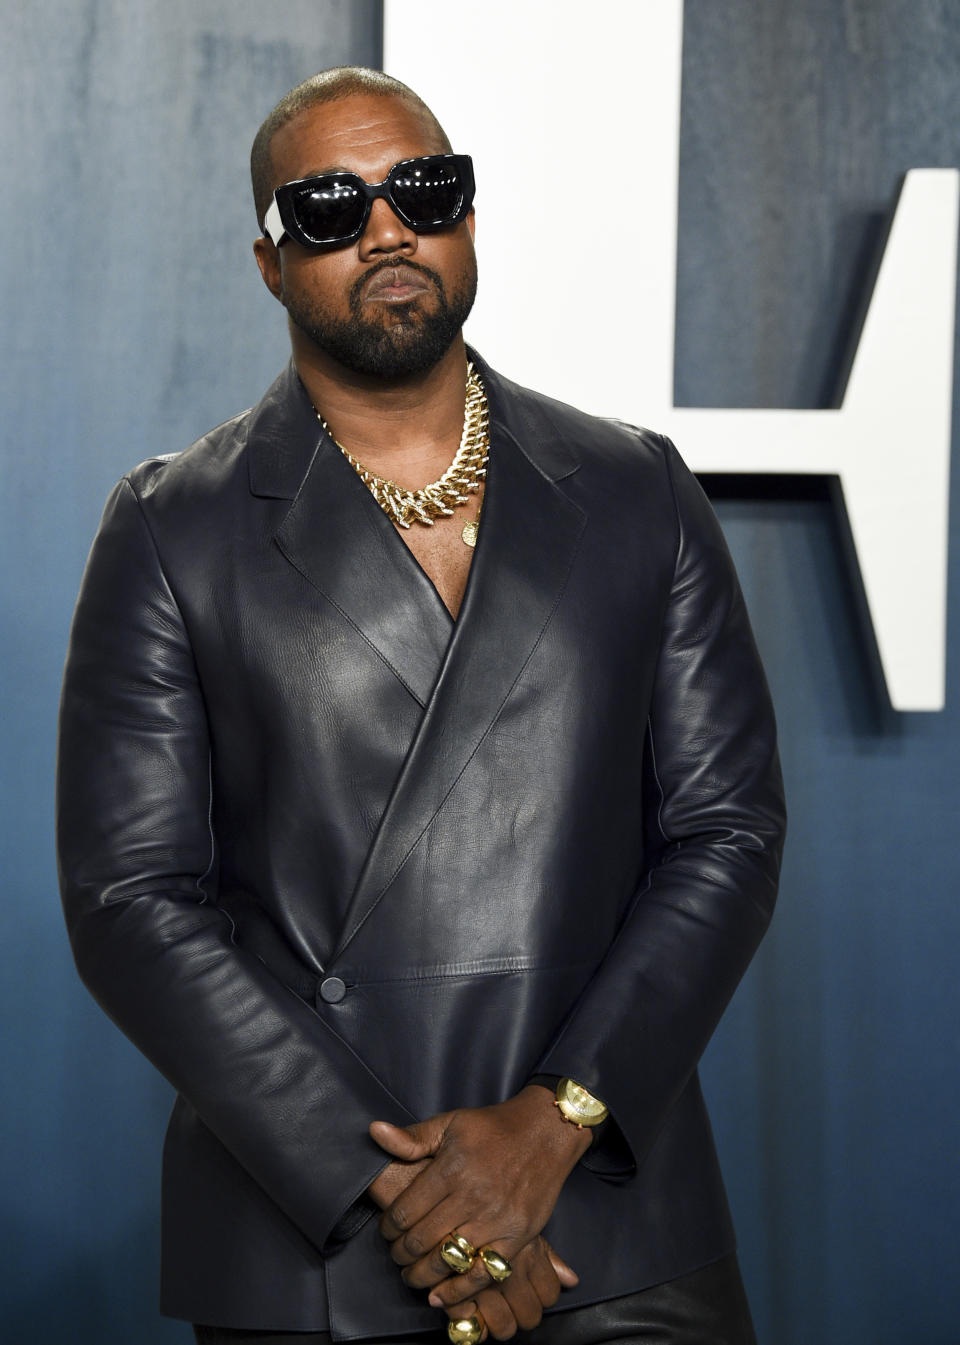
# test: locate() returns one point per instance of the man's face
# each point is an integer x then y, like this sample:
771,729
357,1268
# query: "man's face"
353,303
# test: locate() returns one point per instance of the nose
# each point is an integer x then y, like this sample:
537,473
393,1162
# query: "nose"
385,232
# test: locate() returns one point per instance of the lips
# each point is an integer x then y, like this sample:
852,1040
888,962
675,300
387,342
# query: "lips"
394,284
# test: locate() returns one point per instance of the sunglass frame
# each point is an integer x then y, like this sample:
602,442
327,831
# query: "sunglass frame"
281,218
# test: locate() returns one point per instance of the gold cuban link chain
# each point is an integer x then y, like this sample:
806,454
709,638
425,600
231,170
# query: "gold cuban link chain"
461,479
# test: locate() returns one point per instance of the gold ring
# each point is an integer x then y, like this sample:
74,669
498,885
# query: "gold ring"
458,1254
465,1330
499,1267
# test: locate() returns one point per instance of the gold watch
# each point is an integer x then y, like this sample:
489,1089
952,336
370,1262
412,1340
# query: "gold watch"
578,1106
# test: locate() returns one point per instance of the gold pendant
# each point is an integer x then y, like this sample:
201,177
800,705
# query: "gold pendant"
469,532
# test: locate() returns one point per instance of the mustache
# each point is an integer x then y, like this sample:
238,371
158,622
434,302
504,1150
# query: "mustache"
391,263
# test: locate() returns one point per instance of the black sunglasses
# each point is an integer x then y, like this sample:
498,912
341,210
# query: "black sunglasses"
332,208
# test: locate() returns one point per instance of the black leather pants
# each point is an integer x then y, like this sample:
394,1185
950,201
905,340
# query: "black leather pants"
707,1307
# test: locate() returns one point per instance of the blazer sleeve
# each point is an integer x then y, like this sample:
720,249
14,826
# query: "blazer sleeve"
715,835
281,1090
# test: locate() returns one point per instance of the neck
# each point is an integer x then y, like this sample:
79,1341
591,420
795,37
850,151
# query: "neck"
411,418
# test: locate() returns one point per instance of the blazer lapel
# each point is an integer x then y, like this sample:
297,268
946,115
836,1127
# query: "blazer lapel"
528,537
343,544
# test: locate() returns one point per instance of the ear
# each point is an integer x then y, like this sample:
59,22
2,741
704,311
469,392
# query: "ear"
268,260
472,222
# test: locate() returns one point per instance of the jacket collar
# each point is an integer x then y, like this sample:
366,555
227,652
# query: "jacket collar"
331,523
282,437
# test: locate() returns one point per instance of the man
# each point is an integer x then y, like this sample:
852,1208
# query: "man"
418,835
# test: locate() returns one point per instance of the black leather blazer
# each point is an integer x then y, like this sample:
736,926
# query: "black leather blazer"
329,856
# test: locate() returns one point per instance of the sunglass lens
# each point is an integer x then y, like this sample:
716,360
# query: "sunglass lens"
330,212
428,194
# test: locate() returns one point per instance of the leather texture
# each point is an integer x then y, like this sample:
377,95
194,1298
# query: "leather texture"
543,838
706,1307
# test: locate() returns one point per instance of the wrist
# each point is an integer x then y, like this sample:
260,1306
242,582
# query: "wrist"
565,1137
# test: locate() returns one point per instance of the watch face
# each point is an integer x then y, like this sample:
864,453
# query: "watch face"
580,1105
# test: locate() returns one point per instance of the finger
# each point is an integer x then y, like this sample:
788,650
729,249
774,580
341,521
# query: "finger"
417,1141
452,1288
419,1249
543,1277
424,1194
523,1300
496,1314
394,1178
566,1274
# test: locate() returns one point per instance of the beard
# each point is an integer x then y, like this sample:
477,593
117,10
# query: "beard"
399,341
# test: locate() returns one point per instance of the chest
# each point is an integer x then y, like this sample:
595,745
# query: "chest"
442,554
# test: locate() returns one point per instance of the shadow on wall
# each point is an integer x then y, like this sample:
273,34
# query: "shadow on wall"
832,611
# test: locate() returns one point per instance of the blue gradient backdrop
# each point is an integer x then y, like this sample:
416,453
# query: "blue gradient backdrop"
134,319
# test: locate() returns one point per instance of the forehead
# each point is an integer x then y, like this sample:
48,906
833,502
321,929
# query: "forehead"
365,134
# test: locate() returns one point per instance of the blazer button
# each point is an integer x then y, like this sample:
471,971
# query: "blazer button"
332,990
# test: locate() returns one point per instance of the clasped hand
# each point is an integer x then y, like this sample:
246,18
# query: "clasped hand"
492,1175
